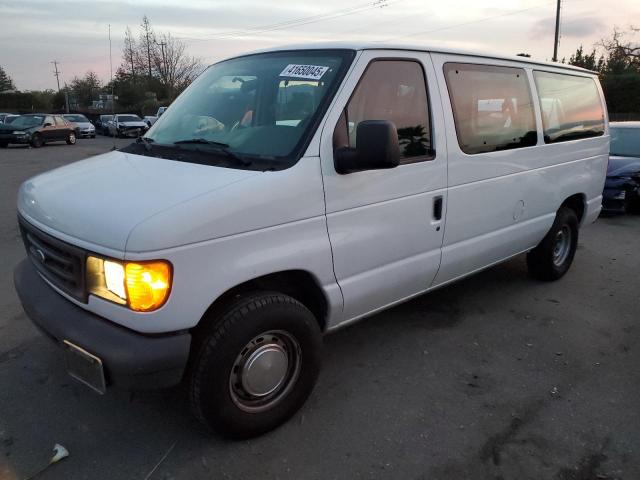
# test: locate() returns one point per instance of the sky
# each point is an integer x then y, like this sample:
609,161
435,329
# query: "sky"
33,33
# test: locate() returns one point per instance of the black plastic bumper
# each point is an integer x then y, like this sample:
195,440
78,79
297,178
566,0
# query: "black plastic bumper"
131,360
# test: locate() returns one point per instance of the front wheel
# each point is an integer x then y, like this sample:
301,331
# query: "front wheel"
36,140
71,138
256,364
553,256
4,144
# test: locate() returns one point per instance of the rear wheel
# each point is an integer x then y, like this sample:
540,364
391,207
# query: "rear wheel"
553,256
71,138
36,140
255,365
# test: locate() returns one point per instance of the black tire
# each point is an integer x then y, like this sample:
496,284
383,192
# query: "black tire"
221,357
36,140
553,256
93,136
4,145
71,138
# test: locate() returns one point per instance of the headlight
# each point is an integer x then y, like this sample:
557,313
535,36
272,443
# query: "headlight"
19,132
143,286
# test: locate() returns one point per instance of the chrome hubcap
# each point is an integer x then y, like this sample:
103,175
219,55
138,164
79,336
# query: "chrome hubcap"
265,371
562,246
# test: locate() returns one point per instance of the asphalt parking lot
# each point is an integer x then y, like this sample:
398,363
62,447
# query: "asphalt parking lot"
496,377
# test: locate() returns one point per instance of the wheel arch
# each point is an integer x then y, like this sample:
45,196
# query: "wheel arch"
578,203
299,284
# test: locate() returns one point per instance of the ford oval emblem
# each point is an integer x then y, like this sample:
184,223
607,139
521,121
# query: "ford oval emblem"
39,254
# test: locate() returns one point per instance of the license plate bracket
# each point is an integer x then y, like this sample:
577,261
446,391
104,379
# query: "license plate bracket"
84,367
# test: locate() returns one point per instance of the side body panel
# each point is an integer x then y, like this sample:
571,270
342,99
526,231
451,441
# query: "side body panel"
503,203
385,241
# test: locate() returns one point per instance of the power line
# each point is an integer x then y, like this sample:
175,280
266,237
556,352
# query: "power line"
484,19
299,21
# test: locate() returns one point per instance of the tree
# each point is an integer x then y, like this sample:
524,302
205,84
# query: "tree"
587,60
6,82
86,89
619,69
130,53
618,46
176,69
147,46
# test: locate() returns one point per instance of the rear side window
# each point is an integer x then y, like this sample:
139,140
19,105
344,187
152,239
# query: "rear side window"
571,106
393,90
492,107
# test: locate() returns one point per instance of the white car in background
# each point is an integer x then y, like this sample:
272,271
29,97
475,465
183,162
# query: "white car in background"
84,128
127,125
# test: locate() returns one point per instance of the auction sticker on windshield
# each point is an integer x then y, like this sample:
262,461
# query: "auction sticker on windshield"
308,72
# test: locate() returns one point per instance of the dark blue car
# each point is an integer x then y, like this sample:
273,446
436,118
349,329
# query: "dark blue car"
622,187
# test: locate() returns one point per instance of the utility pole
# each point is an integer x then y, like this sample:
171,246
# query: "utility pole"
164,72
66,98
557,36
56,73
164,60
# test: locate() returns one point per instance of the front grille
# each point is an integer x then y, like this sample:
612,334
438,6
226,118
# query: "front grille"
59,262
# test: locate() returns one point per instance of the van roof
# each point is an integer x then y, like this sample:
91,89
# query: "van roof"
434,48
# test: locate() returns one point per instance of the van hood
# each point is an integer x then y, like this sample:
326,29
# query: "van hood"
101,200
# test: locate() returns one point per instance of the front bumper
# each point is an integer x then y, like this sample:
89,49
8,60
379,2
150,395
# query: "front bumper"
615,200
11,138
132,131
85,132
131,360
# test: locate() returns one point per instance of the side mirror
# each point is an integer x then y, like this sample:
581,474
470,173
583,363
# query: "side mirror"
377,148
48,124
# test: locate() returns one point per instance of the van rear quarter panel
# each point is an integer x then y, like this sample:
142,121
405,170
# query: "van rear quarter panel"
503,203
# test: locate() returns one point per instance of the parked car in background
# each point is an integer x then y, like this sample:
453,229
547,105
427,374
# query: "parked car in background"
151,119
127,125
84,128
36,130
102,124
9,118
622,187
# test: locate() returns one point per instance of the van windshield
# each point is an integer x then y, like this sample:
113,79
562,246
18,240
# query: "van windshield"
261,108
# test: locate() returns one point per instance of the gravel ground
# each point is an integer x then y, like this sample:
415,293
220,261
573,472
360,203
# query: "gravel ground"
496,377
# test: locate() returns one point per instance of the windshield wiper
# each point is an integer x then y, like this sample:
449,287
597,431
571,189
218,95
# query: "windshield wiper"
220,147
202,141
146,142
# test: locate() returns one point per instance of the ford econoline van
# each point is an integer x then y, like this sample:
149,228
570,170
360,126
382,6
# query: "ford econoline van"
291,192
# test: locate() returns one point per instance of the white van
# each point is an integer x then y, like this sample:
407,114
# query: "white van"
291,192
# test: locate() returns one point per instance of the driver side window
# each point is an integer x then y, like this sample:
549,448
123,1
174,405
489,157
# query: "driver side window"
393,90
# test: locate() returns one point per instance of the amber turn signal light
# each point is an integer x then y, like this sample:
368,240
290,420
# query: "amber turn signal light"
148,284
